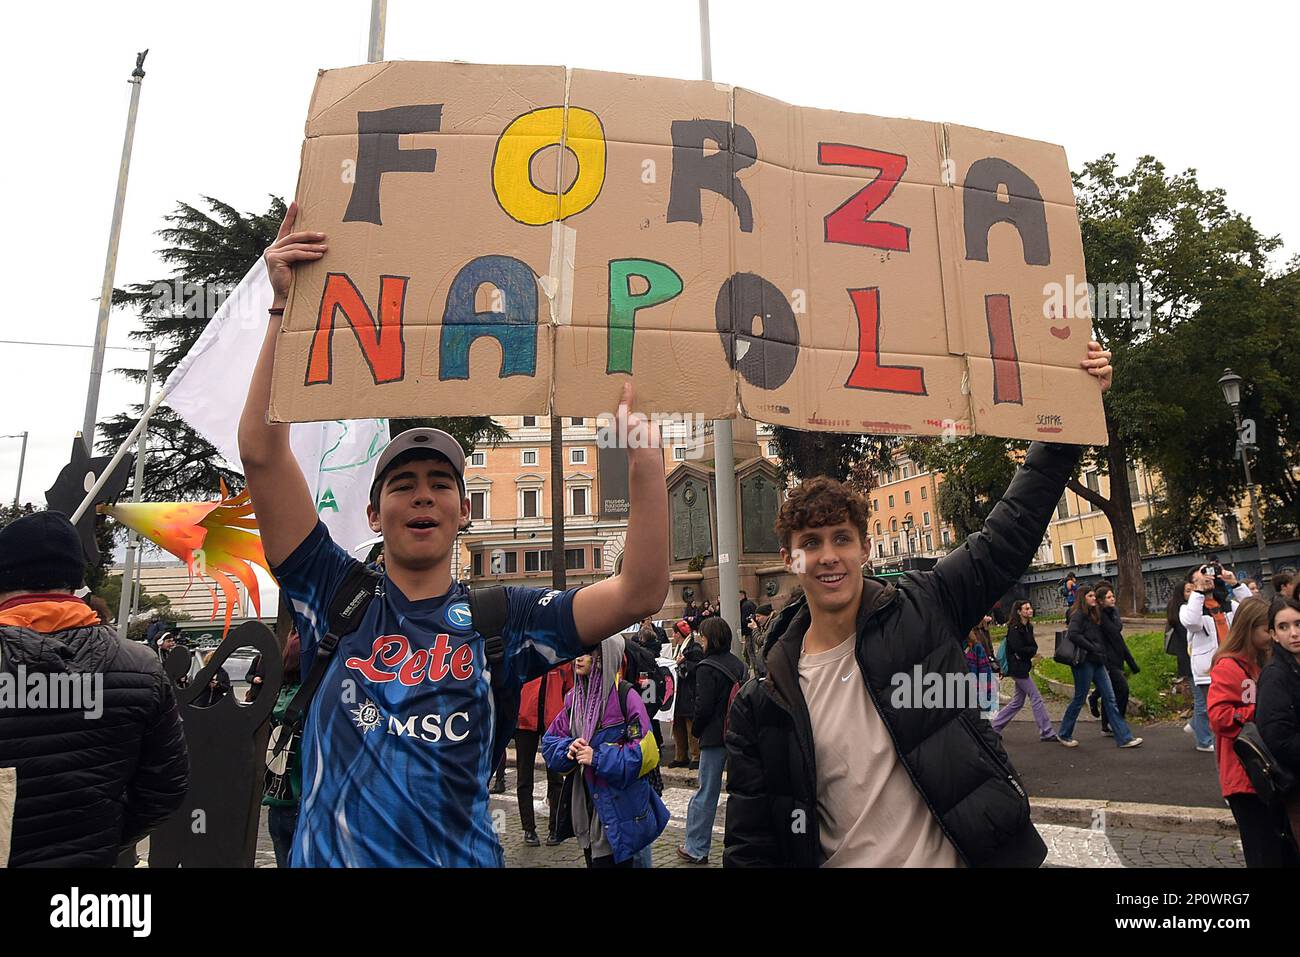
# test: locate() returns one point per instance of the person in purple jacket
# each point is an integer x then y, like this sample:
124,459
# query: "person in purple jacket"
603,729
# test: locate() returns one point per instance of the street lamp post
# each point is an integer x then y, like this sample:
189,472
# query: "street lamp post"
1230,383
22,460
907,531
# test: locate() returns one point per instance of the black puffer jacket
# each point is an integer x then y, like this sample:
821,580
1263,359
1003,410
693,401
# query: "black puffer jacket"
952,755
1277,707
1115,648
89,786
1086,634
1021,648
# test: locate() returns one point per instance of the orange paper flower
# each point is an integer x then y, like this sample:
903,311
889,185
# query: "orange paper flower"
215,540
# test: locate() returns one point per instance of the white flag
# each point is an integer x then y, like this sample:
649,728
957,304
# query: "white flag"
208,388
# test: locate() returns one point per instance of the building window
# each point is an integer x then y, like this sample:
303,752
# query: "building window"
478,459
578,500
875,504
596,561
1100,547
532,561
529,456
923,495
907,471
929,542
907,497
925,519
577,423
895,546
574,558
877,527
528,503
530,422
880,549
679,453
1067,550
946,538
477,505
893,524
476,564
1093,483
577,456
891,501
1063,508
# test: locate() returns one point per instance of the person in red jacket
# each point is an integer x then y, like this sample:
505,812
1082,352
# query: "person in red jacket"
1234,672
539,703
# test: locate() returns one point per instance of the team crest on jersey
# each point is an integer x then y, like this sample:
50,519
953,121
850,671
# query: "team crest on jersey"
458,615
367,717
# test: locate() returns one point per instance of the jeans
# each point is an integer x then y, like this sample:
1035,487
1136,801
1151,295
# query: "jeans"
525,753
1025,688
1118,684
644,857
1201,716
1085,676
704,805
281,822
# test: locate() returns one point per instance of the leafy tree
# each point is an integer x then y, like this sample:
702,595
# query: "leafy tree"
976,472
1203,267
210,250
842,456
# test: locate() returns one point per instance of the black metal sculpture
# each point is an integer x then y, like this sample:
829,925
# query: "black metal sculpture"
217,824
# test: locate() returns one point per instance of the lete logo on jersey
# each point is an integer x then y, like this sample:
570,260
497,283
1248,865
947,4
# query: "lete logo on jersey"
391,658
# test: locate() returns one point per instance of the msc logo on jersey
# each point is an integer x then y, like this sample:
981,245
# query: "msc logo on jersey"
367,717
458,615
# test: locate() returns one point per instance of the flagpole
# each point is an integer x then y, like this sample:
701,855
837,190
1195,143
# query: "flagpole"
127,600
110,262
102,479
378,25
724,451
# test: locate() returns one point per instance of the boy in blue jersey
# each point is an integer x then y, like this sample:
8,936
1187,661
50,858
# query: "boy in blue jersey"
396,749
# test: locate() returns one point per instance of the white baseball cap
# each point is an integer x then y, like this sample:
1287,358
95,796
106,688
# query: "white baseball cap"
431,440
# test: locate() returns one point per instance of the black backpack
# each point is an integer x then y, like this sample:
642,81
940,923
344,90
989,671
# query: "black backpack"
1272,782
489,608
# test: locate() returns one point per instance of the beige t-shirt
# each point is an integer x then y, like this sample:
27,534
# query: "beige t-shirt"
870,814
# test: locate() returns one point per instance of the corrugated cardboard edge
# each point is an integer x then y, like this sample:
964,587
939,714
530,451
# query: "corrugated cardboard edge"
8,798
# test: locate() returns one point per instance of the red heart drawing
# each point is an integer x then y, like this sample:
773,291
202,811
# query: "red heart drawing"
1061,332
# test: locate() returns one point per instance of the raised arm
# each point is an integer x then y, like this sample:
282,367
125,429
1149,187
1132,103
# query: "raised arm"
281,499
607,607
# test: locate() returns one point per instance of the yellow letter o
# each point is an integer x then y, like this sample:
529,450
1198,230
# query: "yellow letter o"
520,142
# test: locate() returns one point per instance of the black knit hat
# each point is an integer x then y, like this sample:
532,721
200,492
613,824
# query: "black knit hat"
41,551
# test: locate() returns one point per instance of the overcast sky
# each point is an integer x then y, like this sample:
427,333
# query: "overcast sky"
225,98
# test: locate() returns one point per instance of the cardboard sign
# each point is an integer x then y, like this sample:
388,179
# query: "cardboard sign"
510,239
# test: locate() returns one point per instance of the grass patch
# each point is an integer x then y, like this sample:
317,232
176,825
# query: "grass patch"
1150,685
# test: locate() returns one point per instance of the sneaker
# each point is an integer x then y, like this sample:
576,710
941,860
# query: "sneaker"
551,839
1207,748
694,765
1049,738
1188,727
687,856
498,788
1068,742
1132,743
1092,706
1108,732
530,838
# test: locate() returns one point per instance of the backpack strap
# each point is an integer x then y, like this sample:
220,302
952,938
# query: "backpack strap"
351,599
489,609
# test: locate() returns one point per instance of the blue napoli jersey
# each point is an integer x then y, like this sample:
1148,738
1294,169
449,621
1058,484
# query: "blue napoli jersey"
396,749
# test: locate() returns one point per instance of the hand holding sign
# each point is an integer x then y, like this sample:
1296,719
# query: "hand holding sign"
1098,364
289,248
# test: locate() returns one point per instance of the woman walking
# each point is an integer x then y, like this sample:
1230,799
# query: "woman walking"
717,674
1021,649
1085,632
1234,677
686,746
1116,654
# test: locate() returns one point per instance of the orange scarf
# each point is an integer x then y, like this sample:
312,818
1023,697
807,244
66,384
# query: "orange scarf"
1215,611
47,613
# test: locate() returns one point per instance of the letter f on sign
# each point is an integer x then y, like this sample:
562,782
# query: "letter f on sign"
378,153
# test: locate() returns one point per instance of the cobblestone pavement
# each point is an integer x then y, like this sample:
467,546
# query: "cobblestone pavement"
1067,846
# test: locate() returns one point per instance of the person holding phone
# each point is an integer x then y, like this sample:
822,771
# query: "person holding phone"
1207,616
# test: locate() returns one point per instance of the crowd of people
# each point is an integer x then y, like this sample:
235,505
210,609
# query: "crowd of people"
403,686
